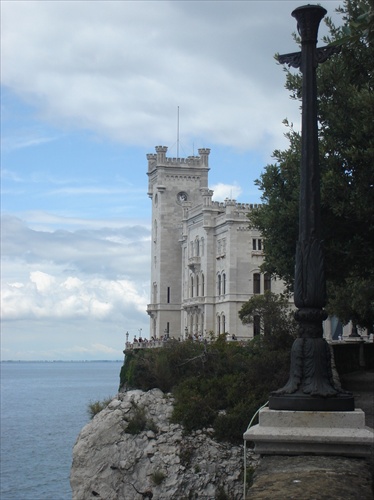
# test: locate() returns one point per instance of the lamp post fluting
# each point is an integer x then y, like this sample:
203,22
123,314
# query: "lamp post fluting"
310,386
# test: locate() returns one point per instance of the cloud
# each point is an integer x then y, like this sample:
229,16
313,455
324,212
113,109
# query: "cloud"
67,284
108,252
224,191
122,68
18,141
46,296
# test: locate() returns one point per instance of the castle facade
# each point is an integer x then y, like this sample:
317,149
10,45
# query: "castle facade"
205,260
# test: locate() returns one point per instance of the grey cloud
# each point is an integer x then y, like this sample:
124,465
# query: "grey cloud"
112,253
122,68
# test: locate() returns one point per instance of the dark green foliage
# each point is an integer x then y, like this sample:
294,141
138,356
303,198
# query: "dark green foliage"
95,407
139,421
274,311
221,494
219,385
159,368
185,454
346,147
157,477
249,476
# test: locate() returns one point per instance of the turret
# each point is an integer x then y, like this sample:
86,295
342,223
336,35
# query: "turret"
161,154
204,155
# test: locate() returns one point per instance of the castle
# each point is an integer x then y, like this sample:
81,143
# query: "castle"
205,259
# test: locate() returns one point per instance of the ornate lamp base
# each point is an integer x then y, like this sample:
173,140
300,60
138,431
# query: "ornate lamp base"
311,386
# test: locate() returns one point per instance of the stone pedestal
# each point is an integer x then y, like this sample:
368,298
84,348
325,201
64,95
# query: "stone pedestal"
282,432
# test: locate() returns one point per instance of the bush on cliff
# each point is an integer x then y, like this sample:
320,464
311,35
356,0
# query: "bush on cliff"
219,385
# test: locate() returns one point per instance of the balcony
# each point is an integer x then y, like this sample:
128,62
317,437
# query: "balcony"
194,263
193,302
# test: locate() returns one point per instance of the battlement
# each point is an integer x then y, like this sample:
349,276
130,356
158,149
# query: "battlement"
239,207
160,159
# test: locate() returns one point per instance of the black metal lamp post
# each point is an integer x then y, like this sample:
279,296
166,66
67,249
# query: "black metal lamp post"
310,386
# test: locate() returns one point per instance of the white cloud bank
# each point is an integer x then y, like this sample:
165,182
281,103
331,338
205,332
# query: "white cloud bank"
89,284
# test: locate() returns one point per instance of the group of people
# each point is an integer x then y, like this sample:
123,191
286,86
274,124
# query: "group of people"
196,337
140,340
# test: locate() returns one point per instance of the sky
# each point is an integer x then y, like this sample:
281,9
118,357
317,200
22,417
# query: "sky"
87,90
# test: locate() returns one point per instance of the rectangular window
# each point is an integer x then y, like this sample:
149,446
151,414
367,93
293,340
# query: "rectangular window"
254,244
259,244
168,295
256,283
256,326
267,282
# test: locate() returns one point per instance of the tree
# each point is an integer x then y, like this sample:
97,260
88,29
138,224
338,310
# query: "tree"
274,311
346,146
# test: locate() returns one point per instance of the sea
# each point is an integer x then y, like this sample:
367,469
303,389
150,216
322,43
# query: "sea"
44,406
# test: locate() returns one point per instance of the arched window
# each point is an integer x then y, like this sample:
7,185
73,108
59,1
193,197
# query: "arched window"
202,285
224,283
219,284
223,320
191,286
219,324
202,247
197,286
191,249
155,231
256,283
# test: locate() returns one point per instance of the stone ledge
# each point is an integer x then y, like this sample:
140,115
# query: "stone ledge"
315,419
297,433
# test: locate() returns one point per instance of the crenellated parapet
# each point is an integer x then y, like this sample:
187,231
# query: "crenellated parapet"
239,207
160,159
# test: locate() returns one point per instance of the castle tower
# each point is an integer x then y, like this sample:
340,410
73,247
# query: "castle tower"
174,184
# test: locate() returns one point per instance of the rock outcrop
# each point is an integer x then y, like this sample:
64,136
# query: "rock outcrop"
157,456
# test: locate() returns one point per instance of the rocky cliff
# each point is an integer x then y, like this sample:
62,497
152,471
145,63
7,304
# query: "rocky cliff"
132,445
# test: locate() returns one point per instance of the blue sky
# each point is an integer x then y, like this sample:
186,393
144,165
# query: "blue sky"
87,90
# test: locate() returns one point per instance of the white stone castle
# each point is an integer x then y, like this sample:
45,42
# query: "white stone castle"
205,259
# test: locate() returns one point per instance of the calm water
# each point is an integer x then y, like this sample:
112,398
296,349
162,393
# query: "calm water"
43,408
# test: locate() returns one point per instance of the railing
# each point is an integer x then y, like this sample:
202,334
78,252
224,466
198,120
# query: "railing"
152,344
148,344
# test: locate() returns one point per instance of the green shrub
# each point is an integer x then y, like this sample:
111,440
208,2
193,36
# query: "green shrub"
221,494
219,385
185,454
139,421
157,477
95,407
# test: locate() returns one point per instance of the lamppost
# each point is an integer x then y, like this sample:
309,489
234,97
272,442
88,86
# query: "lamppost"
310,386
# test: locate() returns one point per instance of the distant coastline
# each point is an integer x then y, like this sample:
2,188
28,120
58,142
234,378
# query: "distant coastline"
63,361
